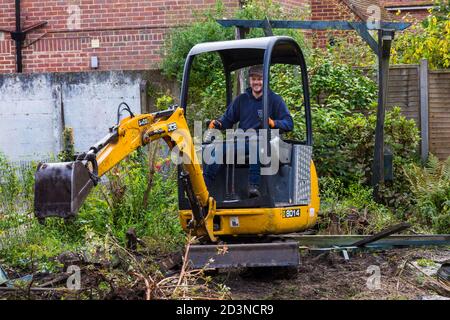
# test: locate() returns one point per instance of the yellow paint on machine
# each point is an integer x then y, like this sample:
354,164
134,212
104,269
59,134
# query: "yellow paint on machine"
261,221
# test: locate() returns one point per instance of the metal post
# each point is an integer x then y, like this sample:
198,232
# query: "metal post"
18,38
384,47
423,80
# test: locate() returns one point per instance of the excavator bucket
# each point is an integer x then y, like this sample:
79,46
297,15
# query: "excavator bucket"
60,189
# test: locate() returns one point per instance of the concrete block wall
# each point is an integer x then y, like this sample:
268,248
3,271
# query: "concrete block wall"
30,117
34,108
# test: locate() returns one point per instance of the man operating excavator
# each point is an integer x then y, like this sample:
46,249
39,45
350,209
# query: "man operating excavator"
247,109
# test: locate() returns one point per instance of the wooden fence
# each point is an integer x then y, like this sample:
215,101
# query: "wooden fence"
424,95
439,112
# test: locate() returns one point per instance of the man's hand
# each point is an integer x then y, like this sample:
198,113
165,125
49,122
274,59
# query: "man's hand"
215,124
271,123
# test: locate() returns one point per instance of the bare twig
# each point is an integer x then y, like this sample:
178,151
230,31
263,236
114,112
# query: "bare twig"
434,284
51,282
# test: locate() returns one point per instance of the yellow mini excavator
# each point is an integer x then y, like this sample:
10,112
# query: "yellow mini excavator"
289,197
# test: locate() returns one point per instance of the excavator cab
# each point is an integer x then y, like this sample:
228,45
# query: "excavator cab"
289,194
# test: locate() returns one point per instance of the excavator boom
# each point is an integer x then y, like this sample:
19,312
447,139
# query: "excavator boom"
61,188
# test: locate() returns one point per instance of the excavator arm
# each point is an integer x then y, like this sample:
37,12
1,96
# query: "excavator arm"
61,188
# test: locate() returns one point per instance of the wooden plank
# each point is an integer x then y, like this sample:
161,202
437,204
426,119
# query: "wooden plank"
411,90
444,153
439,104
439,82
408,78
443,131
438,142
403,85
439,86
441,153
403,78
403,66
438,128
383,234
439,108
406,100
440,95
413,83
441,113
438,148
436,117
440,75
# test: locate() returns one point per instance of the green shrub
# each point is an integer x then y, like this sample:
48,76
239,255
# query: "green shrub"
340,87
343,143
351,209
430,187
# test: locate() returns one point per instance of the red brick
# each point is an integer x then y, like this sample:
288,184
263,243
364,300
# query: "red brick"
67,50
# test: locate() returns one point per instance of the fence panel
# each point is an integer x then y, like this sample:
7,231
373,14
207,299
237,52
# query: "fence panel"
404,90
439,112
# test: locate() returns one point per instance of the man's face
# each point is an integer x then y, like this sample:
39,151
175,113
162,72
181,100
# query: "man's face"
256,83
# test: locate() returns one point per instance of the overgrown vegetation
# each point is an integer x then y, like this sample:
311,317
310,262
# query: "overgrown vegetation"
133,195
430,187
141,192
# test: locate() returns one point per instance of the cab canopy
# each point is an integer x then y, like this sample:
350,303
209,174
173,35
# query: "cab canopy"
237,54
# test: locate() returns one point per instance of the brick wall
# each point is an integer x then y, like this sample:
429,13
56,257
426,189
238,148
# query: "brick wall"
129,33
329,10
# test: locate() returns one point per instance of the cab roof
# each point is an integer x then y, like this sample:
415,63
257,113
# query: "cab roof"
238,54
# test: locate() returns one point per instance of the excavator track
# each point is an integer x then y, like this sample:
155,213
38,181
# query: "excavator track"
284,250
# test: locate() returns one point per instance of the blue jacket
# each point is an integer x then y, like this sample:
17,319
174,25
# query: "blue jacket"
249,112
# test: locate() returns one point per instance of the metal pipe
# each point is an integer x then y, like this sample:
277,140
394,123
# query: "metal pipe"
18,38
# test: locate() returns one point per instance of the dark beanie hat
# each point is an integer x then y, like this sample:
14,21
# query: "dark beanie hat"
256,70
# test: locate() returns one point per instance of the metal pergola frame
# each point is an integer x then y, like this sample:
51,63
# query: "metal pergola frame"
380,46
